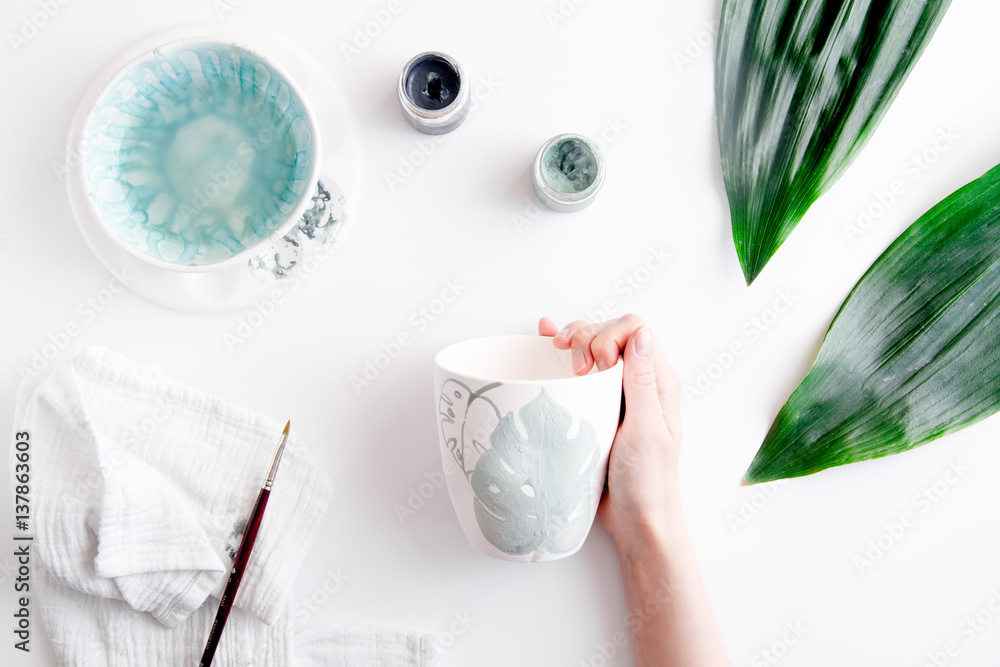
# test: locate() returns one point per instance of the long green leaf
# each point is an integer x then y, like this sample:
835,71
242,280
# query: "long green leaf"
914,352
800,85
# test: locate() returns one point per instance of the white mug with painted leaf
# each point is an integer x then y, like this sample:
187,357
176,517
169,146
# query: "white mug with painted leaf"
524,443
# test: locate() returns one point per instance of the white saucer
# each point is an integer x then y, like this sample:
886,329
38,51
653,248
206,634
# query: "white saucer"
242,285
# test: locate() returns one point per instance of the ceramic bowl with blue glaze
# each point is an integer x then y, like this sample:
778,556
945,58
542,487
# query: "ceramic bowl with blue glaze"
201,152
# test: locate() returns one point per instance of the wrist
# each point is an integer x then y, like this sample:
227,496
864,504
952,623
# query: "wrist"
652,531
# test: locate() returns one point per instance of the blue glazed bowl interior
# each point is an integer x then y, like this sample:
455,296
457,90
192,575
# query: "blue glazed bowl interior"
199,151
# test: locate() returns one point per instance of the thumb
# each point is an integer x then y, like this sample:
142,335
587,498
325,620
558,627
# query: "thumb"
642,401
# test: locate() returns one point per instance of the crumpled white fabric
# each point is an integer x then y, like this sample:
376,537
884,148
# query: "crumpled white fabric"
141,487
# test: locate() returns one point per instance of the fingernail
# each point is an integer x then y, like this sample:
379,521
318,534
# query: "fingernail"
564,332
602,365
643,342
579,361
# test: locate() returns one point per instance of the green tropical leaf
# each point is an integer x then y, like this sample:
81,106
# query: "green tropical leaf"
914,352
800,85
533,494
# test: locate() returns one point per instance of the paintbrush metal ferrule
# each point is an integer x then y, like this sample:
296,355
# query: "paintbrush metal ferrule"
277,456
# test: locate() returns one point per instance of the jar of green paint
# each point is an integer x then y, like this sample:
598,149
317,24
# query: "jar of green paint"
568,172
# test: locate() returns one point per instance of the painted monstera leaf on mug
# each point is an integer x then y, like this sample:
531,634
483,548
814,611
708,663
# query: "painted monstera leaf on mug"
532,494
800,86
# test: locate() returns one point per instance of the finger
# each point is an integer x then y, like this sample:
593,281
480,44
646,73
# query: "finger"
565,336
668,385
611,341
583,360
581,335
646,369
546,327
642,400
564,339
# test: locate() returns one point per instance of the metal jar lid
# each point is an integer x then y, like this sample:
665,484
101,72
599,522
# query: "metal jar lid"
433,92
568,172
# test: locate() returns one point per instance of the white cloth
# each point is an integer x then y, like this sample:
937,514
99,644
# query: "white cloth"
360,647
141,489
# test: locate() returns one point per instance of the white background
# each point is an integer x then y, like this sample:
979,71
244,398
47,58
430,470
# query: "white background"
649,68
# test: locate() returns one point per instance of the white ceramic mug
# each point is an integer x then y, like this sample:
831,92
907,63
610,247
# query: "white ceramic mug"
524,443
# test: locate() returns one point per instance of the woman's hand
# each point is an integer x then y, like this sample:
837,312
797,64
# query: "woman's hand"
670,615
642,472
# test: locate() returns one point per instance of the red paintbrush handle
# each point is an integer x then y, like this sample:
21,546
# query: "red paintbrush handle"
235,576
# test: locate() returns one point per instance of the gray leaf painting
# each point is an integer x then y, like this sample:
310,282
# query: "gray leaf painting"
460,410
532,495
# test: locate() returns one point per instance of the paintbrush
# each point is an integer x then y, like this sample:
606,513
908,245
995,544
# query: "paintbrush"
242,556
